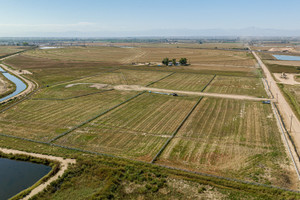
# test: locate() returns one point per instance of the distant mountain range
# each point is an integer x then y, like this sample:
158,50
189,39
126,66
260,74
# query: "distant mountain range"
245,32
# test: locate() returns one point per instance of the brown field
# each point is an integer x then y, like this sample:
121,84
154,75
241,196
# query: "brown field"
127,77
184,81
145,54
169,45
138,129
5,50
284,62
237,85
232,138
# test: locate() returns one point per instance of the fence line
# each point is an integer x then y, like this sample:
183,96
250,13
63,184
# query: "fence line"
208,83
160,79
175,132
93,118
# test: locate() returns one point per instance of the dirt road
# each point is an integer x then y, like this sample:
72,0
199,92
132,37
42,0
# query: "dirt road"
64,164
227,96
283,105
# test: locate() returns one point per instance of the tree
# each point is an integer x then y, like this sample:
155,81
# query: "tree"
165,61
183,61
174,61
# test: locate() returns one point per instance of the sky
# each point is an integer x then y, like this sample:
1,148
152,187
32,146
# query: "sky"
117,17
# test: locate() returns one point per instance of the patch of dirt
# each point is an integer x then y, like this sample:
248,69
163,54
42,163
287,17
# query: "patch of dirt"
100,86
73,84
289,80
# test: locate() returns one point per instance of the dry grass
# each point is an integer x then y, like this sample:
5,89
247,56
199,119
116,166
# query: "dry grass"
138,129
181,81
237,85
5,50
42,119
233,138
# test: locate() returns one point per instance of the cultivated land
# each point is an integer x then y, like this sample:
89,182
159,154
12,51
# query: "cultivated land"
6,50
232,137
81,115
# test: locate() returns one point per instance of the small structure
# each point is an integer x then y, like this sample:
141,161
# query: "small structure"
266,102
283,75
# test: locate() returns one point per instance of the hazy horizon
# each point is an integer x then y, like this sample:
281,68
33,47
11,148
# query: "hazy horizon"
116,18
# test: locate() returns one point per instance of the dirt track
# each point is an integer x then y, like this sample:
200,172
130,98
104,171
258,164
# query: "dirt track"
64,164
283,106
227,96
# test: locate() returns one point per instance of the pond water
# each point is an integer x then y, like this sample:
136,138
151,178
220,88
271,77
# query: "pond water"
16,176
20,85
284,57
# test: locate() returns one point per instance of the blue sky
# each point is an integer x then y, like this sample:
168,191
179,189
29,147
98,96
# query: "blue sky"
25,16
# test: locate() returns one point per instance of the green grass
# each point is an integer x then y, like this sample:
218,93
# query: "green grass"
237,85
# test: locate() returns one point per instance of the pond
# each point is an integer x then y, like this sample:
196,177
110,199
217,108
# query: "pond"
16,176
284,57
20,85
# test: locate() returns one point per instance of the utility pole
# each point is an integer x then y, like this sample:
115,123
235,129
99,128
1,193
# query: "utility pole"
277,97
291,123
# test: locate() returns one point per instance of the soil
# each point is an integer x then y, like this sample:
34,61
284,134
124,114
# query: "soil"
290,79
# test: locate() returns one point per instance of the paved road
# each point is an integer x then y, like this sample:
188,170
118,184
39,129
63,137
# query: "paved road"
283,105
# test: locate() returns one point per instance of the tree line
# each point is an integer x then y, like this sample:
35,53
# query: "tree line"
182,61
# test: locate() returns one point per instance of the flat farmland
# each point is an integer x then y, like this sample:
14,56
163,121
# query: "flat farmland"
67,90
127,77
96,54
5,50
48,71
137,129
237,85
232,138
43,119
184,81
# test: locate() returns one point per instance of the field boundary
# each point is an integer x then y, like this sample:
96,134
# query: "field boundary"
160,79
159,165
208,83
46,99
176,131
95,117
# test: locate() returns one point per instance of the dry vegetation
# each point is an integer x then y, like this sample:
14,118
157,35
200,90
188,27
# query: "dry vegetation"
232,138
45,119
138,129
237,85
236,138
5,50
